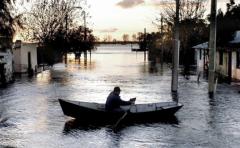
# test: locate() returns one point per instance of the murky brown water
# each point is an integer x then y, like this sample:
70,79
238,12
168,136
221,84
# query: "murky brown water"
30,115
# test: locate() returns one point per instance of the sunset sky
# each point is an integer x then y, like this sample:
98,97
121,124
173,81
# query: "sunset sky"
116,17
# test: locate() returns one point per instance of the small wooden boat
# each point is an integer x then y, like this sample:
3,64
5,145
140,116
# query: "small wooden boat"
96,111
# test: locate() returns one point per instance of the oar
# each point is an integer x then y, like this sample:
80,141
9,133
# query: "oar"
123,116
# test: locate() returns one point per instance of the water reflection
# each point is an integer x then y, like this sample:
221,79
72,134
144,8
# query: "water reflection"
77,124
128,133
123,136
114,138
154,68
87,64
74,125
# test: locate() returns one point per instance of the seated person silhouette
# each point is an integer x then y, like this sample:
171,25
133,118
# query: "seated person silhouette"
114,101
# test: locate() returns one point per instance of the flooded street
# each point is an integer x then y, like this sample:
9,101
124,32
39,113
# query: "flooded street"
30,114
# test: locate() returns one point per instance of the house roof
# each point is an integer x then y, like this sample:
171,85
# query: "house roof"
19,43
201,46
236,38
204,45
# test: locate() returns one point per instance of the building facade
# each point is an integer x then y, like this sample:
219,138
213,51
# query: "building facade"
227,59
24,56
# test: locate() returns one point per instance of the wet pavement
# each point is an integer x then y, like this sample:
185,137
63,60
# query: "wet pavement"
30,115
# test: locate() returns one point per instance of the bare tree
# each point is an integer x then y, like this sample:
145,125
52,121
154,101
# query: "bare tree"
109,38
134,37
48,16
193,28
125,37
53,23
189,9
9,21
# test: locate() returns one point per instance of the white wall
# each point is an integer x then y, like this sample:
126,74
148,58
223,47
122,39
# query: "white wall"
21,57
199,52
32,48
17,60
235,70
199,61
222,69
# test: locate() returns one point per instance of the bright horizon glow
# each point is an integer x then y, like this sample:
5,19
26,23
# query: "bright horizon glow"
110,19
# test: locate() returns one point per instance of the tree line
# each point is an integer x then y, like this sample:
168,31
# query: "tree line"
54,24
194,29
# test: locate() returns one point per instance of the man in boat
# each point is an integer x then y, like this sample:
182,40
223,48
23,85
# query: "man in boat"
114,101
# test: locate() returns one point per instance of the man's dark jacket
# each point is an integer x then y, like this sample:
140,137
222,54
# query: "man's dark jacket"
114,102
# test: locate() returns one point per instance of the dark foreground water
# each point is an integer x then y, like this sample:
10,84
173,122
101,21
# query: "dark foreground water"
30,115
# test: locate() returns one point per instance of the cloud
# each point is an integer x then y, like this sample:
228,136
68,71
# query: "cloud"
162,3
110,30
129,3
170,3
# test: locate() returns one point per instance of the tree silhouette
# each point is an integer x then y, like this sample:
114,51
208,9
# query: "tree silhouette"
228,23
48,16
125,37
8,23
53,23
192,28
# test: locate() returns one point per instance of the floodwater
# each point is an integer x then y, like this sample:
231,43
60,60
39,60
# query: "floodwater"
30,115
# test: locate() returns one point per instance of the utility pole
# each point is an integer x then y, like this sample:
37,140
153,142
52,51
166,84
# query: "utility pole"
176,52
161,23
212,50
145,44
65,54
85,35
161,44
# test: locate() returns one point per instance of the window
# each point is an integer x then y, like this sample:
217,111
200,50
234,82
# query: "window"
220,57
238,59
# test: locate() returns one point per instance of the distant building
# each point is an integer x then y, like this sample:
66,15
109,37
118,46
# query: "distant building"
24,56
201,56
227,58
